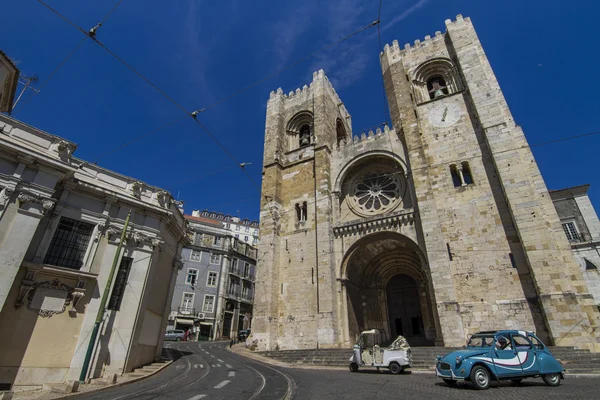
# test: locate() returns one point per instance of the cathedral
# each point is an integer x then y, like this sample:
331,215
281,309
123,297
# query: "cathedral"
433,228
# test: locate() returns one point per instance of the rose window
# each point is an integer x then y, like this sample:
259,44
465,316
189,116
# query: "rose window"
376,190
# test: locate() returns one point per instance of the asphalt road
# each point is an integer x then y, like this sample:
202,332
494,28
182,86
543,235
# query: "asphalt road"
207,370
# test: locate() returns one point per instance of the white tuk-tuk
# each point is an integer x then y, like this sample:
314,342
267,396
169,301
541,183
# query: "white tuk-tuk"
369,354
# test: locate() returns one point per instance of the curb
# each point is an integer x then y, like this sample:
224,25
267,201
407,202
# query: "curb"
100,389
248,354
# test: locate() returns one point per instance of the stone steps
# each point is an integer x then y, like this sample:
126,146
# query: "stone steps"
424,358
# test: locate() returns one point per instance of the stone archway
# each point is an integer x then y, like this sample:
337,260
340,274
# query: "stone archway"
387,287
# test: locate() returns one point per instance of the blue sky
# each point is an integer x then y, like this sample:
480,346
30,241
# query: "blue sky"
543,53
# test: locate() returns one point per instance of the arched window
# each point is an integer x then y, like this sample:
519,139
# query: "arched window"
300,130
340,131
304,135
466,173
435,78
301,211
455,176
436,87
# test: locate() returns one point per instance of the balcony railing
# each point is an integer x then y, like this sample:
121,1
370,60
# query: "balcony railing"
186,310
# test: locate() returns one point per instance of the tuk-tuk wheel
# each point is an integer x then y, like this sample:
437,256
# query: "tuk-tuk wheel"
353,367
395,368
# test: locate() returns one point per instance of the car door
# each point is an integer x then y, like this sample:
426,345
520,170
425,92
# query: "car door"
527,355
506,361
168,335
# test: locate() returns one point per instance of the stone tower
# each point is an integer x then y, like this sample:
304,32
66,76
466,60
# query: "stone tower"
436,229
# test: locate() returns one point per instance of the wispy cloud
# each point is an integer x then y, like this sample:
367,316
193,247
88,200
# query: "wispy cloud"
404,14
345,63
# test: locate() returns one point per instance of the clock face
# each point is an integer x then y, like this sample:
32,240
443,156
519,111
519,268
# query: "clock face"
444,115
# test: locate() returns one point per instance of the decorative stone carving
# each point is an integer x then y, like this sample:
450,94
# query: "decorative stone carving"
163,198
27,284
64,149
376,190
156,241
76,295
136,189
48,204
5,195
63,295
27,197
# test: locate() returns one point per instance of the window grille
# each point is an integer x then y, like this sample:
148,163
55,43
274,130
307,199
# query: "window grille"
120,284
69,244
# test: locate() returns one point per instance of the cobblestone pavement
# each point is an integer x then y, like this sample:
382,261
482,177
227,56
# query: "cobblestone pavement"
373,385
206,370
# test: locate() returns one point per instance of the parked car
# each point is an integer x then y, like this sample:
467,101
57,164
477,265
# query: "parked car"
369,354
500,355
176,334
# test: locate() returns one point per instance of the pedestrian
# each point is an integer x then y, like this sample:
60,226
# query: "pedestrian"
230,343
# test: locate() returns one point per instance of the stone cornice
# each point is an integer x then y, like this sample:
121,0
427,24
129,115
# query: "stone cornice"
373,224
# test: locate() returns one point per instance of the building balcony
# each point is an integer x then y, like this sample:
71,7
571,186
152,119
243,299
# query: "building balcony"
187,311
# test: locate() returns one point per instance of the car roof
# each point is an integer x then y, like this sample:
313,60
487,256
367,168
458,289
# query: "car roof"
522,332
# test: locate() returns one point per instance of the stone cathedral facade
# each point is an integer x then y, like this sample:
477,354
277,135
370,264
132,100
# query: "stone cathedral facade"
434,229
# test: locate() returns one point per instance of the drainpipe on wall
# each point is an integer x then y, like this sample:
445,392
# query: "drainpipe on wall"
101,309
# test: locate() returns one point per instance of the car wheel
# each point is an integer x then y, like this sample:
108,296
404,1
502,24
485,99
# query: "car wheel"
178,339
450,382
395,368
480,377
517,381
551,379
353,367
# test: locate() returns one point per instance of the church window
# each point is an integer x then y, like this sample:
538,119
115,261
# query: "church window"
455,176
341,135
300,130
301,211
461,175
436,87
376,189
466,173
304,135
434,79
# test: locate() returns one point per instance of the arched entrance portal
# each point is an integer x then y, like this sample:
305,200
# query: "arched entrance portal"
387,288
404,309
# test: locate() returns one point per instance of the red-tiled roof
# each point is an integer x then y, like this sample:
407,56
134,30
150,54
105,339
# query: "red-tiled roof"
203,220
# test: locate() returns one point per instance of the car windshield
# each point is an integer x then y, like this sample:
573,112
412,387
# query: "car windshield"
481,341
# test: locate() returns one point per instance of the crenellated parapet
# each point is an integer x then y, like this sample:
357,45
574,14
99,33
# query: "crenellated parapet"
393,53
370,136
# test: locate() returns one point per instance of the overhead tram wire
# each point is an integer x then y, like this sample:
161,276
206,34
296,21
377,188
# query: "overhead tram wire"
194,114
291,65
59,66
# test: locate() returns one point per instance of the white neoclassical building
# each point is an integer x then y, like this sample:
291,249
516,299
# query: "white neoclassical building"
60,223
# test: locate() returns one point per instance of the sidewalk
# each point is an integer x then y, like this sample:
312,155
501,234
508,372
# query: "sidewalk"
56,391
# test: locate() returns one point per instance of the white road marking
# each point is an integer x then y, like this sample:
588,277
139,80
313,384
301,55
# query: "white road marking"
199,396
228,366
199,366
219,360
180,366
231,374
222,384
212,355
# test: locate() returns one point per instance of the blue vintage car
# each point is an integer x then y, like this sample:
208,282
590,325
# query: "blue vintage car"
500,355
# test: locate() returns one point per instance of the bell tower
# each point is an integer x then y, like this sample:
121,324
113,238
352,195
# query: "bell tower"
494,244
294,300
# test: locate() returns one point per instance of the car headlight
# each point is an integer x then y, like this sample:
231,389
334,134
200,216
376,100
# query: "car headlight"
438,358
458,360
